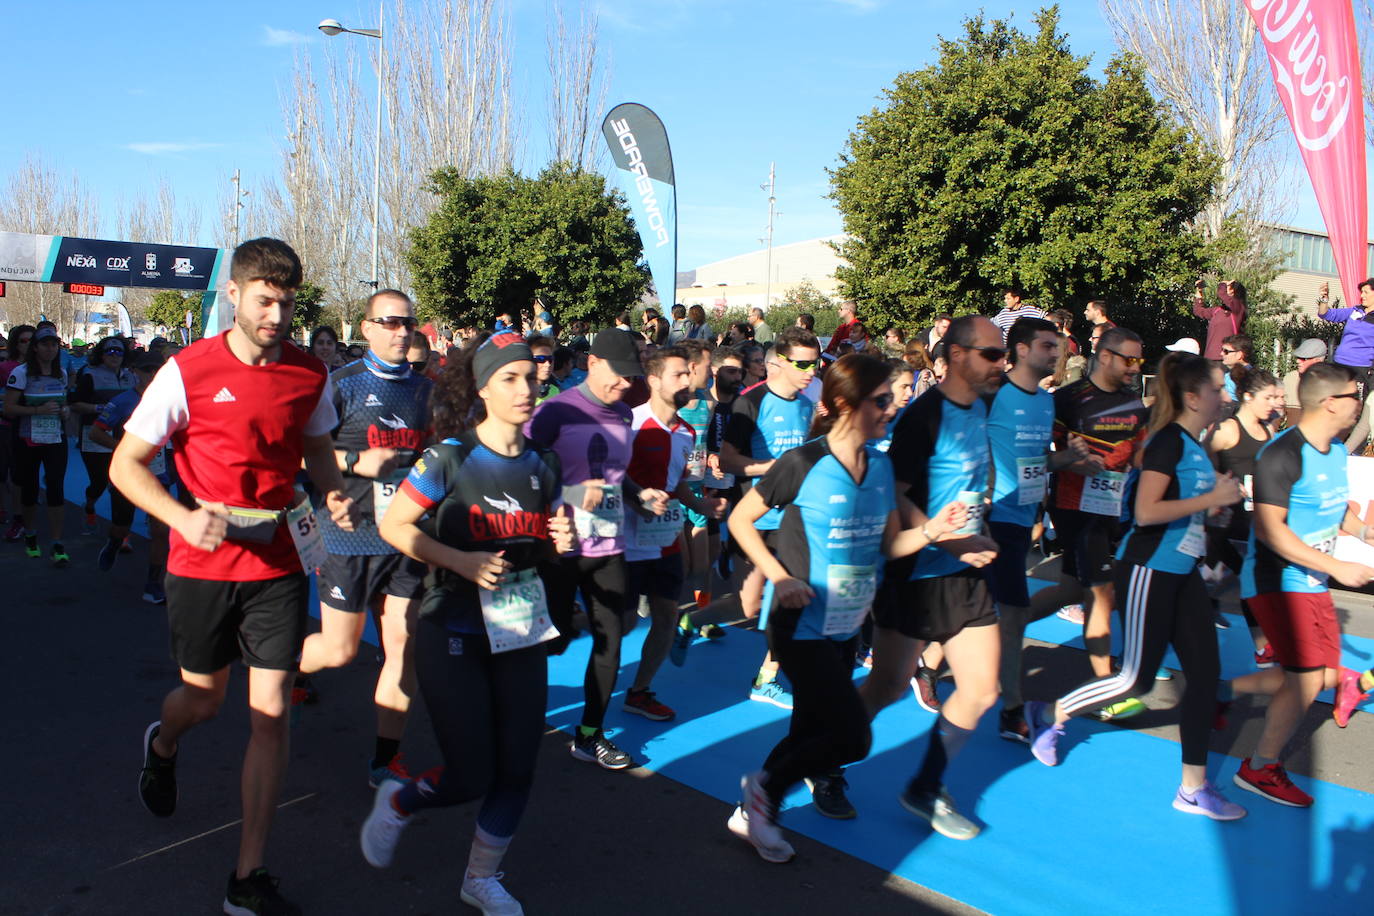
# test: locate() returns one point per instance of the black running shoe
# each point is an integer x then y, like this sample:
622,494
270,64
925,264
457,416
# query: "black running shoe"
257,895
157,782
923,685
828,798
1011,724
598,749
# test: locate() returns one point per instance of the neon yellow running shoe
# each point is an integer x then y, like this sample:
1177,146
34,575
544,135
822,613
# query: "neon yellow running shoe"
1123,710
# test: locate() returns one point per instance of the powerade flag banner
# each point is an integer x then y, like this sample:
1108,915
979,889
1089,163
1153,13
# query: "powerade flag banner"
1316,64
639,148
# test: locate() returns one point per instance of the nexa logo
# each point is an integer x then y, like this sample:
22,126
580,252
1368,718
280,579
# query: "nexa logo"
116,263
642,183
80,260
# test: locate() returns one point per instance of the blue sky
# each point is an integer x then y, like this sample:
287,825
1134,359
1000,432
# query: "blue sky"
126,94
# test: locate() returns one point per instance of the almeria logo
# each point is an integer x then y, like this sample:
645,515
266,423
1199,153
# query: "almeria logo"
224,396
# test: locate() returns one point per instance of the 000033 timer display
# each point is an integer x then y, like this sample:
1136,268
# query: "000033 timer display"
83,289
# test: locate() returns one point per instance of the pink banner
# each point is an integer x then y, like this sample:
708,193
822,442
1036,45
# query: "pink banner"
1316,63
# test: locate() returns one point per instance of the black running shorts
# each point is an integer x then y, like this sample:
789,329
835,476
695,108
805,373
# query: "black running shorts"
1089,545
935,609
349,583
1006,575
213,623
661,577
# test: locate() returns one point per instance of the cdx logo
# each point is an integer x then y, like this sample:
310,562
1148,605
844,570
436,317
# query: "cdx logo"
116,263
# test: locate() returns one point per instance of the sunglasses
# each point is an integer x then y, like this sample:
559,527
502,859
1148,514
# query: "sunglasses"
1226,352
113,351
1353,395
801,365
991,354
420,366
395,322
882,401
542,358
1128,360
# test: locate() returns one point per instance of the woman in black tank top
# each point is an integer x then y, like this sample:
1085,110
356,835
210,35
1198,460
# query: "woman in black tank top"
1234,446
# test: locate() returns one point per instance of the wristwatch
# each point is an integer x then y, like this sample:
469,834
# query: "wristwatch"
350,459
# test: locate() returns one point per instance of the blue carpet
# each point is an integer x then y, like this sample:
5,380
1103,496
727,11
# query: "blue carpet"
1096,834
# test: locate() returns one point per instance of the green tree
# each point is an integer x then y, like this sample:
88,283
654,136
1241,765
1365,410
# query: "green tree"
169,308
495,242
1006,163
309,307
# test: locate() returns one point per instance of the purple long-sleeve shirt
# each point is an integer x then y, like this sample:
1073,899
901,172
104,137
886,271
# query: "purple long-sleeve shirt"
1356,348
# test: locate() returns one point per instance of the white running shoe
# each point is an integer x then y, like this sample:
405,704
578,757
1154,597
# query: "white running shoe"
489,896
753,822
383,827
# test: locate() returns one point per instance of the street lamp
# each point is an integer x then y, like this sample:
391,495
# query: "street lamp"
332,27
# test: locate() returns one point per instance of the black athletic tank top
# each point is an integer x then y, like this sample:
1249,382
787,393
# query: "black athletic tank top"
1239,459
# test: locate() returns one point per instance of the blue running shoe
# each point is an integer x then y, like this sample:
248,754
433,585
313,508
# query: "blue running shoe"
1044,738
772,692
682,641
1208,801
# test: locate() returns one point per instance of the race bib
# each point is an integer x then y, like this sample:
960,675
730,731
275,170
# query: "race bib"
516,614
605,520
1031,476
696,460
87,445
974,500
660,530
1324,540
45,429
849,595
1247,487
1102,493
1194,542
305,534
383,491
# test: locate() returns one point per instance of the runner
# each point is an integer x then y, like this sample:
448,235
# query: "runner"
1234,447
696,413
16,350
660,451
383,409
766,421
940,454
482,664
103,377
1166,602
36,396
1020,428
1106,412
243,408
106,432
588,427
1300,508
835,495
728,371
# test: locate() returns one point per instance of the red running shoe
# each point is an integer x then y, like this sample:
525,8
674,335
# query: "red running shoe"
645,703
1265,657
1219,720
1348,696
1273,783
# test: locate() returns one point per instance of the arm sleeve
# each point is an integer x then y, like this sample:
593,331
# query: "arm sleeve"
112,415
1163,452
325,417
163,409
783,482
740,428
1275,473
19,378
1337,315
1201,309
427,482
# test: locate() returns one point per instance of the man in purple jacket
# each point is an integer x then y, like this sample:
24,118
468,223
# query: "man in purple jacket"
1356,349
1222,320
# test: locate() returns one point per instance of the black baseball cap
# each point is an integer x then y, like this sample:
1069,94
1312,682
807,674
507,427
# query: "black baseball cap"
618,348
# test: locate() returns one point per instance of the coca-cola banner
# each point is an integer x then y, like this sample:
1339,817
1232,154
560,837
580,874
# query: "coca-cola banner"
1316,63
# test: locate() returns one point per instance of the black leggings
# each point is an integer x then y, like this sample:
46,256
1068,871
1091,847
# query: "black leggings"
829,721
1162,609
488,716
98,473
53,460
602,582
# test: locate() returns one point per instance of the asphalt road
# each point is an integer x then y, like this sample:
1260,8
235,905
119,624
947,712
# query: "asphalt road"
86,666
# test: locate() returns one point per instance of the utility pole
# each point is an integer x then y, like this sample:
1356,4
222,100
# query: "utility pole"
239,194
771,188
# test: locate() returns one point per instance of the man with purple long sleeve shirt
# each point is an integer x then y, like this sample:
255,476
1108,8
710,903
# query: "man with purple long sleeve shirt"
1356,349
588,427
1222,320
